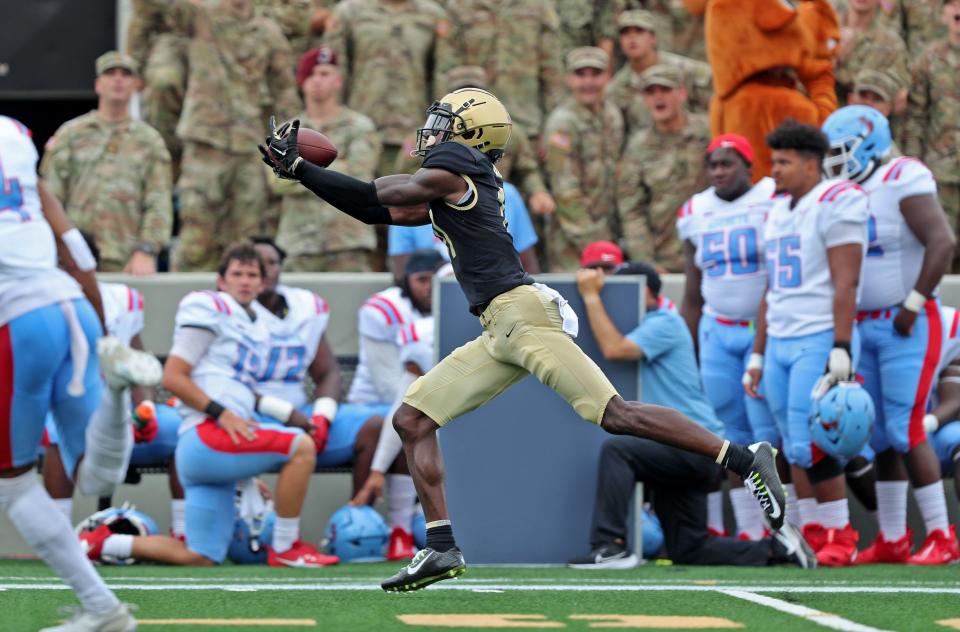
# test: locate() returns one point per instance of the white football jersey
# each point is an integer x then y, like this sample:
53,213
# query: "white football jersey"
416,343
800,292
293,343
381,318
29,277
229,369
728,238
894,254
123,310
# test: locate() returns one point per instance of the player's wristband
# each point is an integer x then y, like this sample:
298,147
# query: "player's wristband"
79,250
214,410
914,301
755,361
325,407
930,422
275,407
843,344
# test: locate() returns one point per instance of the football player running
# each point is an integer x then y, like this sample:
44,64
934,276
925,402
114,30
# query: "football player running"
528,328
726,276
899,322
220,347
50,324
815,238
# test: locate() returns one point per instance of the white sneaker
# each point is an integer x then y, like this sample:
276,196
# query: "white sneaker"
117,620
123,366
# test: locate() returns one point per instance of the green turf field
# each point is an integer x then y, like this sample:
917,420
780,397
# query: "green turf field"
650,598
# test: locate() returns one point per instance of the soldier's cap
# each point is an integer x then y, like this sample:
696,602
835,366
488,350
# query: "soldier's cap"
878,81
587,57
664,75
736,142
605,254
466,77
115,59
314,57
637,18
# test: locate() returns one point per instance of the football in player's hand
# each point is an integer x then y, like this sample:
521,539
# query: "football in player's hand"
315,147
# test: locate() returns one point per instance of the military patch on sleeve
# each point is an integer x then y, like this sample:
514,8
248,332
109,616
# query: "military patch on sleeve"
560,141
443,27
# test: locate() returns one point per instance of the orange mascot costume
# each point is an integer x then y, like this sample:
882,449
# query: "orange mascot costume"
772,60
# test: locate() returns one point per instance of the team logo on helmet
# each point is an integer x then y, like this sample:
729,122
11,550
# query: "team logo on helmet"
841,421
859,141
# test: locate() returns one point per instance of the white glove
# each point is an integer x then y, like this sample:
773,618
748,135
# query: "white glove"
839,364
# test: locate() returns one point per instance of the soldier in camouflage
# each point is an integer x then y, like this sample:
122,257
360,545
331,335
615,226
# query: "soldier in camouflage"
294,17
661,167
390,53
112,173
638,41
239,61
518,43
933,122
877,89
867,43
316,236
583,138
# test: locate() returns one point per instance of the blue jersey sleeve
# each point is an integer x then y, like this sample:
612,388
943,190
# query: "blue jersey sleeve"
656,335
518,219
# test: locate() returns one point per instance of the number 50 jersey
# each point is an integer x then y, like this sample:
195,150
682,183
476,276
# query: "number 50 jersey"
728,239
800,294
229,369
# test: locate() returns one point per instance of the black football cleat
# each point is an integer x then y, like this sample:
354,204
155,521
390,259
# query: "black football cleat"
764,483
428,567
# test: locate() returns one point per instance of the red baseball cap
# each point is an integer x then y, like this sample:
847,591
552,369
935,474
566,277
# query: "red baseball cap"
736,142
311,58
601,253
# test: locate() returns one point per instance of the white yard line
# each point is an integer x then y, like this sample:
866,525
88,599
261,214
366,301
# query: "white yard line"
507,587
824,619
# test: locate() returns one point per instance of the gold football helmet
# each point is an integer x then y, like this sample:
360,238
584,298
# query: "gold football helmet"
470,116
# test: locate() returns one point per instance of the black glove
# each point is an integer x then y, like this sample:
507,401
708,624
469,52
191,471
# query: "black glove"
280,151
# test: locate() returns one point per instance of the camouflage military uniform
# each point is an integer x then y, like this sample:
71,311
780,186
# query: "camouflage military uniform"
586,22
390,54
933,122
877,48
624,89
518,43
238,64
293,18
114,181
658,172
917,22
316,236
582,149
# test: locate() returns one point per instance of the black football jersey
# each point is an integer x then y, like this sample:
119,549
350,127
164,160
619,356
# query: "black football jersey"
475,232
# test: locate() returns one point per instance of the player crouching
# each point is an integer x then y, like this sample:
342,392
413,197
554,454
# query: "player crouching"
219,347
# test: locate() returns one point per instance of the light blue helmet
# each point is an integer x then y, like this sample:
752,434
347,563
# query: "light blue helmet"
251,536
419,530
356,534
841,421
125,519
652,534
859,141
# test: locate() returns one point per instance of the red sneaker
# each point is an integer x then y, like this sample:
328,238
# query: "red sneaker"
713,533
745,537
839,547
401,545
91,540
938,549
887,551
815,535
300,555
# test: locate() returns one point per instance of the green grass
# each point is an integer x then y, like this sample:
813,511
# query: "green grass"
356,604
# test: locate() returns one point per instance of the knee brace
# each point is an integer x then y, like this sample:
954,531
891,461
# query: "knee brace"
824,469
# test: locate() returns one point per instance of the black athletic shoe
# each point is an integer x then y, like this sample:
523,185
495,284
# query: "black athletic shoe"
426,568
606,556
764,483
788,546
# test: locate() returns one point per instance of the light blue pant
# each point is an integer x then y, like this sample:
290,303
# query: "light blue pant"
945,442
724,352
